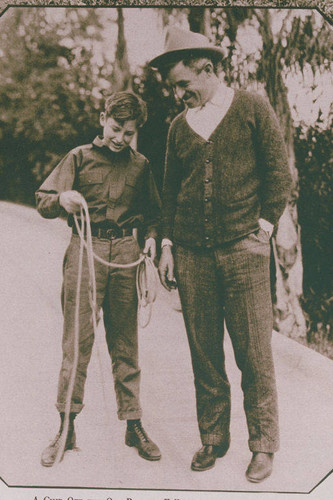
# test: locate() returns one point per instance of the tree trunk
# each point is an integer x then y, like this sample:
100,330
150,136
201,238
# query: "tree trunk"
199,21
289,317
121,74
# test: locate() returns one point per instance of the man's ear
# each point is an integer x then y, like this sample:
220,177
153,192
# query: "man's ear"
209,69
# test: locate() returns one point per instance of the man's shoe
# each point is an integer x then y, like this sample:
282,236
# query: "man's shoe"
205,458
260,467
137,437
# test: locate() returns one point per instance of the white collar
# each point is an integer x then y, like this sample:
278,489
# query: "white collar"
218,99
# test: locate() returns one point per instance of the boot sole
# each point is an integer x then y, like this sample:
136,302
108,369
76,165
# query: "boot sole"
151,459
51,464
202,469
254,480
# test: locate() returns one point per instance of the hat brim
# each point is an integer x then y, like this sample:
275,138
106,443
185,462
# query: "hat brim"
179,54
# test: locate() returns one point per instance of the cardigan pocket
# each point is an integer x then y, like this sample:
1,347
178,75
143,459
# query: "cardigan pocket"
243,202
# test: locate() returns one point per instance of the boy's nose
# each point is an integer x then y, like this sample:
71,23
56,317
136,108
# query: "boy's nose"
119,137
179,92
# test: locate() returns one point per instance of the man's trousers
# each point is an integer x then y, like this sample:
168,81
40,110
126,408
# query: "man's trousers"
116,295
231,283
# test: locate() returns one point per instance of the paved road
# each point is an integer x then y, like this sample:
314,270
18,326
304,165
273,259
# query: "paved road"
31,251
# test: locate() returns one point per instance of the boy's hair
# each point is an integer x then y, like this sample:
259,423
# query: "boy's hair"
124,106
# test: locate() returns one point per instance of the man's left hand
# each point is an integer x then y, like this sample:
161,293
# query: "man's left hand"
150,248
266,226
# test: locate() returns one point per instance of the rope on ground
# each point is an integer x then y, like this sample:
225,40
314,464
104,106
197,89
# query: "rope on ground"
146,286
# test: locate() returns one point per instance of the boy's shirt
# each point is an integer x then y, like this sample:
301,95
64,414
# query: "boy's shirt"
119,188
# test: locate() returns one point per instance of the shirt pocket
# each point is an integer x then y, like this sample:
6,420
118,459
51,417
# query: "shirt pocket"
131,193
131,180
91,185
91,178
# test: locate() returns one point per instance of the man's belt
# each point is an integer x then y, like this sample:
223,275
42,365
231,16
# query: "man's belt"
108,233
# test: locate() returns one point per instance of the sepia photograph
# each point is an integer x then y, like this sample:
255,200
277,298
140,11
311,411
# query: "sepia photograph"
166,177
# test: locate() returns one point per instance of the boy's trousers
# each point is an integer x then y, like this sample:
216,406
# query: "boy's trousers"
231,283
117,296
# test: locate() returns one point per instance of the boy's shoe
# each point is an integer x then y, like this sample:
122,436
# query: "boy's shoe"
260,467
49,455
205,458
137,437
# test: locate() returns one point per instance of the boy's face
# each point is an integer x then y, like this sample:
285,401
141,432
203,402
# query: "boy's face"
117,136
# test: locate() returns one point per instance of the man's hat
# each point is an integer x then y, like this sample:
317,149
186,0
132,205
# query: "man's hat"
180,43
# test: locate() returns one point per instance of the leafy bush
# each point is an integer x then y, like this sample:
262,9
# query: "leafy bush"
315,167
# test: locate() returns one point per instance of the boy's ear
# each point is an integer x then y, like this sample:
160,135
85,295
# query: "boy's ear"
102,118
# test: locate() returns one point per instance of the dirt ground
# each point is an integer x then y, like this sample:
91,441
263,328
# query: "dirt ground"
31,252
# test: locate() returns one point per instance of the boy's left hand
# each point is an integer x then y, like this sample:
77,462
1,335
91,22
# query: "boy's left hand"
150,248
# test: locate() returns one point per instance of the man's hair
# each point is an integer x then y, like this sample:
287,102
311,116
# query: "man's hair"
124,106
195,62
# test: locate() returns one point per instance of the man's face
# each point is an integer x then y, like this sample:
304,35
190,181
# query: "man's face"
117,136
194,88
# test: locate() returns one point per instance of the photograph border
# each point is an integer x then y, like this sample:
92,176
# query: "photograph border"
12,492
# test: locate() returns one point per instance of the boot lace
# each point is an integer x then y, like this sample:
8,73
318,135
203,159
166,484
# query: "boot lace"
139,430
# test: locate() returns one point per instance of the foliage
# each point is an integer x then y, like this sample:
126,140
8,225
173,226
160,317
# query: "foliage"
47,98
315,166
162,108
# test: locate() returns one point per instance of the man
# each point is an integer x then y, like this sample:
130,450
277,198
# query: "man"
226,185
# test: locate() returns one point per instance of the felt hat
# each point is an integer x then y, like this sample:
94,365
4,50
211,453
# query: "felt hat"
180,43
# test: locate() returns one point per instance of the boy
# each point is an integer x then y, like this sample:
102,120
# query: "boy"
119,188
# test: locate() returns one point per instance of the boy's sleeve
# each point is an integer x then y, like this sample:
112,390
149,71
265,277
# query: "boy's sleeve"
152,211
60,179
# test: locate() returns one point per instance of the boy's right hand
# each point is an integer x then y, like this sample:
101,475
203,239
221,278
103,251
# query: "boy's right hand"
71,201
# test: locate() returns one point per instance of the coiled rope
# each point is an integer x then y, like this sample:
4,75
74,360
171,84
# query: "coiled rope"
146,285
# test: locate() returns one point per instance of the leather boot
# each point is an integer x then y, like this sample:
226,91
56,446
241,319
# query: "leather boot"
50,453
205,458
260,467
137,437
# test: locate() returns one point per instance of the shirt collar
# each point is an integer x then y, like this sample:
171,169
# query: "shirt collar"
99,143
218,98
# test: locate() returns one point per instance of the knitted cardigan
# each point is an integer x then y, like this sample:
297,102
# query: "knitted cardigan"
216,190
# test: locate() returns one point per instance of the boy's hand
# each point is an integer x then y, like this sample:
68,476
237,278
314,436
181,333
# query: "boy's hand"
166,267
150,248
71,201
